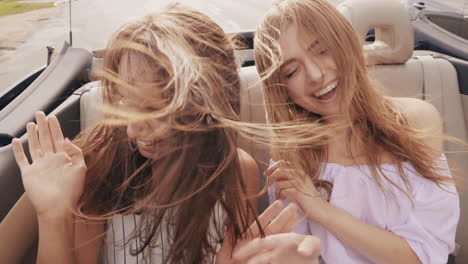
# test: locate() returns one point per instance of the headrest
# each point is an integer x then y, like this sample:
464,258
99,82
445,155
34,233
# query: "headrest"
394,38
90,98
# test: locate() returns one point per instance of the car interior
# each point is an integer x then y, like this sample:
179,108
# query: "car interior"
402,71
443,32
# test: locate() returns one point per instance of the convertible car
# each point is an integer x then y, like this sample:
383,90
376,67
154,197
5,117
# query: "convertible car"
404,52
440,28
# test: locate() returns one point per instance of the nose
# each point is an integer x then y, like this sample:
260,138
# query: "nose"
314,71
135,129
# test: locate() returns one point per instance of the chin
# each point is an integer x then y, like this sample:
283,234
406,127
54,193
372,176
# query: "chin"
146,154
327,112
331,114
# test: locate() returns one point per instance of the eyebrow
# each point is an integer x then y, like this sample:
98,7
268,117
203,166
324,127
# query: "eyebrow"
287,62
291,60
313,45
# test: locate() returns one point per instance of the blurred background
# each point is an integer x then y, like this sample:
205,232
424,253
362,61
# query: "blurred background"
28,27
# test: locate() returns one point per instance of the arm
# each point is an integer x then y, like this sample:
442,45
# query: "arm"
18,231
250,175
364,237
56,240
53,183
66,238
280,245
361,236
273,219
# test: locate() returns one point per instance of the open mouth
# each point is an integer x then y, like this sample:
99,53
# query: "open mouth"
327,92
147,148
144,144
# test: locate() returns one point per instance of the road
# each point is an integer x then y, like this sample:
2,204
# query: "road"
93,22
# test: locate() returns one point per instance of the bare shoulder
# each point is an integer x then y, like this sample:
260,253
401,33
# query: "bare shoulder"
420,114
248,164
250,173
424,116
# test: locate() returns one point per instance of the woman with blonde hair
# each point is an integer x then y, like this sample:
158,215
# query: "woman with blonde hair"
378,192
160,178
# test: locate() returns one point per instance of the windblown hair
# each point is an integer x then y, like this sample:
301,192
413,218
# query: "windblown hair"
196,75
371,115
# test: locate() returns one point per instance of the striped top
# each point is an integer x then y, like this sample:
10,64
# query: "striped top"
120,241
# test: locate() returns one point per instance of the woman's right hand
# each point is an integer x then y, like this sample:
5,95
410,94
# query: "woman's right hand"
289,248
54,180
273,220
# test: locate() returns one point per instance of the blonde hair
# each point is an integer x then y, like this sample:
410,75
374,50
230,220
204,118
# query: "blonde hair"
196,75
371,115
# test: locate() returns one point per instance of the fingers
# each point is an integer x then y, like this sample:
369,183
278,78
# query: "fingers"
262,258
18,151
277,175
266,217
310,247
257,245
290,193
283,187
73,151
33,141
289,224
56,133
273,167
252,247
284,174
224,252
276,245
283,222
284,184
45,139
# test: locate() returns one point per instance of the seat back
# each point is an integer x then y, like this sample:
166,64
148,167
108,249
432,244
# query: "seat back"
91,98
423,75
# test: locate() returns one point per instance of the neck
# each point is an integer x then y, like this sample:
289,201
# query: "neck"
344,141
336,118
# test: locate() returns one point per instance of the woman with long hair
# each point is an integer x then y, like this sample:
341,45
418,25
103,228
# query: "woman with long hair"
379,191
159,179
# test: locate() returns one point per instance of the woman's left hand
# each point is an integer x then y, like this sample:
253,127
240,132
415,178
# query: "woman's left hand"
291,183
289,248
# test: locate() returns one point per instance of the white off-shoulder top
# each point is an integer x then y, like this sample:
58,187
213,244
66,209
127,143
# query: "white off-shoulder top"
428,224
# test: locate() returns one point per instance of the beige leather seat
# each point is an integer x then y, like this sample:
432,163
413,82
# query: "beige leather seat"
405,73
90,99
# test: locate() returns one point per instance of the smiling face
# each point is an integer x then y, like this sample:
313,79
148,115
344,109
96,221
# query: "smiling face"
150,136
309,73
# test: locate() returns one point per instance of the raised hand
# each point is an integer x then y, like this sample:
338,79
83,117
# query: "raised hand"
290,183
273,221
54,180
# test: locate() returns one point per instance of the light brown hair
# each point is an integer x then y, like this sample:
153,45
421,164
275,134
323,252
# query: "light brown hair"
371,115
196,75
